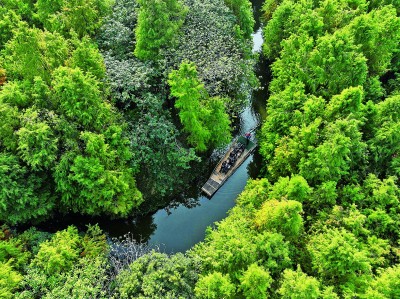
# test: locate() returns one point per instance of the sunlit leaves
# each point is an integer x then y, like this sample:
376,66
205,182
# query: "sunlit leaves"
156,275
255,282
244,14
32,52
83,17
9,280
340,258
214,285
60,253
78,96
37,142
296,284
158,24
204,119
280,216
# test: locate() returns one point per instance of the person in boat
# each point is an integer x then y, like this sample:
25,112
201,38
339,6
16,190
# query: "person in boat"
224,167
239,153
247,136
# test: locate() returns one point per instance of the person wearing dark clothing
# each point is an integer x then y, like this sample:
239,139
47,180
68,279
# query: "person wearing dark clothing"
248,136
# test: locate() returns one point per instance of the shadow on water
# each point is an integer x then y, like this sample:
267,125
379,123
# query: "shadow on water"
183,223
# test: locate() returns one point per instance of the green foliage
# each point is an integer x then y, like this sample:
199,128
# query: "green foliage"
384,143
244,14
209,38
340,259
295,188
60,253
67,266
346,104
164,161
386,285
94,242
204,119
117,33
255,193
378,35
155,275
31,238
290,17
280,216
188,90
236,248
96,181
23,195
78,96
9,281
32,52
87,279
87,57
9,20
8,124
298,285
255,282
82,17
218,121
37,143
214,285
12,252
157,26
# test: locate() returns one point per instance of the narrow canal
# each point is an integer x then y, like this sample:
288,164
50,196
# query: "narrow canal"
178,229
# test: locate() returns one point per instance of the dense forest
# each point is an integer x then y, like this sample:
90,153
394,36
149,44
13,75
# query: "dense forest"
107,106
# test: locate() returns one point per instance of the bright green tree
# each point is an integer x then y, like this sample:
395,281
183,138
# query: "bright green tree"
255,282
60,253
80,16
298,285
244,14
280,216
217,120
378,34
9,123
384,144
295,188
156,275
78,97
13,252
340,259
204,119
87,57
32,52
188,90
213,286
157,27
9,281
37,143
9,20
386,285
98,179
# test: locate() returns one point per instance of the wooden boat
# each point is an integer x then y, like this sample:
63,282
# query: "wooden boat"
218,177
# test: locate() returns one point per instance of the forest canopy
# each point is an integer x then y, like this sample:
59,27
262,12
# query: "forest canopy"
105,107
87,118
